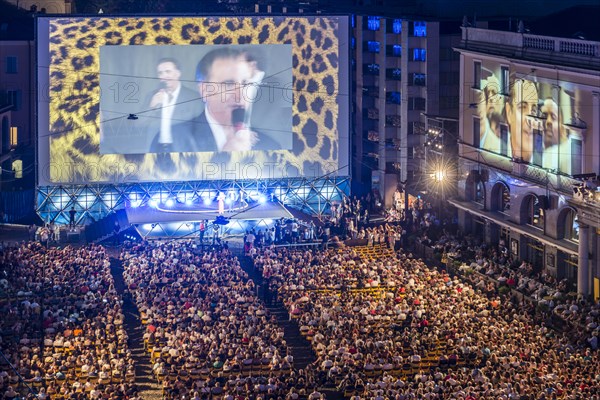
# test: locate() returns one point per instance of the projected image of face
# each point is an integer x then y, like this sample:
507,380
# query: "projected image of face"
523,102
227,82
552,125
493,100
222,89
169,75
491,115
223,75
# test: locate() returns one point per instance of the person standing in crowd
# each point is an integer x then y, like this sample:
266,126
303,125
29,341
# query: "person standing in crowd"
45,236
72,214
201,232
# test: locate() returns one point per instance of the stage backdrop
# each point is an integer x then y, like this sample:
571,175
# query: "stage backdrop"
98,119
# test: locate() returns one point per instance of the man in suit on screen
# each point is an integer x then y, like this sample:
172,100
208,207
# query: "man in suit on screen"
227,80
175,106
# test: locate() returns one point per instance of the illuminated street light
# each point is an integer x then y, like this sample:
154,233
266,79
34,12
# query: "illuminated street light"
439,175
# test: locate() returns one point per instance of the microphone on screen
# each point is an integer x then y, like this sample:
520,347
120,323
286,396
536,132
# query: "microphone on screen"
162,85
238,119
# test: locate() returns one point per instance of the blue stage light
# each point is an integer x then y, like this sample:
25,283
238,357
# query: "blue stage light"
170,203
262,199
189,202
152,203
207,201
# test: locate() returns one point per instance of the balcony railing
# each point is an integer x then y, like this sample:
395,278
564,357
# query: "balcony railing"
579,47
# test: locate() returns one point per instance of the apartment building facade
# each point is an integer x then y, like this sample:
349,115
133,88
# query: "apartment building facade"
529,150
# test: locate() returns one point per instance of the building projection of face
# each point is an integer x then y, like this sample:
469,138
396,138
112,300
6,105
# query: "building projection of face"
536,122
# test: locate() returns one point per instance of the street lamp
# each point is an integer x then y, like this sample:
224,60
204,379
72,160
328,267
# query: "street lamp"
439,176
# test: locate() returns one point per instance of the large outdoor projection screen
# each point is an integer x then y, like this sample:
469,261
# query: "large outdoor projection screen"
125,100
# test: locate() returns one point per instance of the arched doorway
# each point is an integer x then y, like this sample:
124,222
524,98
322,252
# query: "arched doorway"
480,193
568,226
532,212
475,188
500,197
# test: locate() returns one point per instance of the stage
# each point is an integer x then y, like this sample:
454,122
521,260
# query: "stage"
184,221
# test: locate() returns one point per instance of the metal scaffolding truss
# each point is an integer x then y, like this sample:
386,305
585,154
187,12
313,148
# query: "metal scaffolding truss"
94,202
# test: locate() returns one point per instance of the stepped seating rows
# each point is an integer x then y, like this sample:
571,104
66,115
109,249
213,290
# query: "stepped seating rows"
301,301
73,340
206,325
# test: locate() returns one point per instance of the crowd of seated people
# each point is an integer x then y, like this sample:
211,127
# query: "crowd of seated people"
382,323
497,263
62,325
391,327
205,328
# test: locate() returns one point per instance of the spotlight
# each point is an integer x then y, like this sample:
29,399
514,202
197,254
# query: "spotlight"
152,203
262,199
189,202
135,203
207,201
170,203
228,200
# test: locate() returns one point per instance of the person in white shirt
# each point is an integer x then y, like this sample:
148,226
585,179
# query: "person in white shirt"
176,103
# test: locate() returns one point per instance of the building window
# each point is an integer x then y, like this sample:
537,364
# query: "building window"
353,20
416,103
576,156
477,75
372,69
504,78
397,26
396,50
504,139
538,147
420,28
476,132
392,97
14,136
418,79
353,43
394,74
11,64
392,120
14,98
419,55
373,46
373,23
